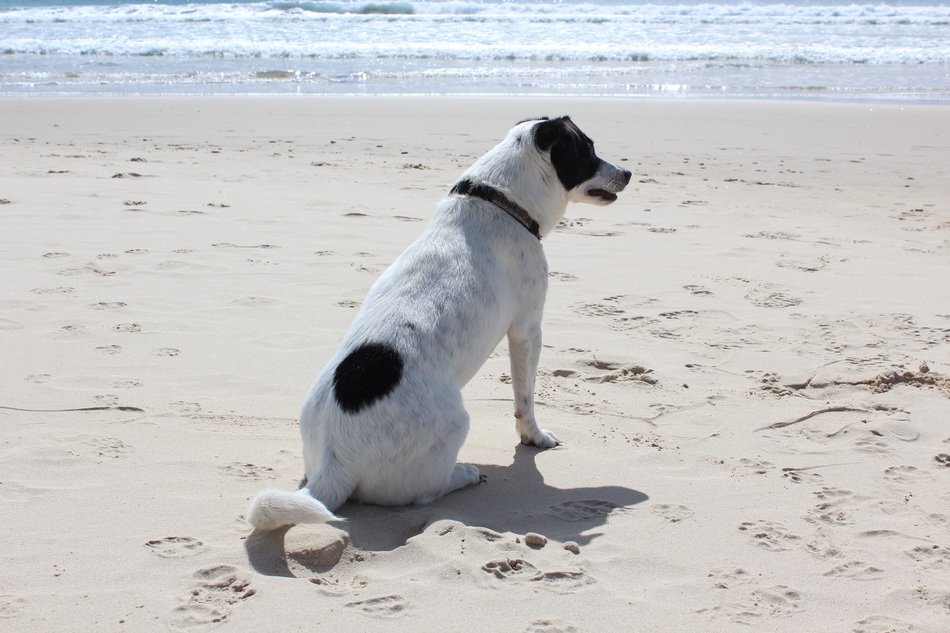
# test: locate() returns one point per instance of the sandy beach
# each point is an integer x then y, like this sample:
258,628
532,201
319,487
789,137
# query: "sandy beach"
747,358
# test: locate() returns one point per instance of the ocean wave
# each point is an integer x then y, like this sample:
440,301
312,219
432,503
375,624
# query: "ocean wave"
343,8
748,13
625,57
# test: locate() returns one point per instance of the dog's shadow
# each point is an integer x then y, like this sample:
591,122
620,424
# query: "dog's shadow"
513,498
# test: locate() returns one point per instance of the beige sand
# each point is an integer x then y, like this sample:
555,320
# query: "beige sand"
732,357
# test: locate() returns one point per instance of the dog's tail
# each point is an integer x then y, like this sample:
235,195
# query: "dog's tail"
271,509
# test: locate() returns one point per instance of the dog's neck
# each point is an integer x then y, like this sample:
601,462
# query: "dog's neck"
467,187
524,176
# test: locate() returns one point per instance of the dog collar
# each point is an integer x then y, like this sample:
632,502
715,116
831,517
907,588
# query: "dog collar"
488,193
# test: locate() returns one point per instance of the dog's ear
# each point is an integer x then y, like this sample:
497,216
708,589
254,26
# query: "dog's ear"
572,153
548,131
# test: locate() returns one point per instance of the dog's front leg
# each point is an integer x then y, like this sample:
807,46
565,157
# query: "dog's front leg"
525,350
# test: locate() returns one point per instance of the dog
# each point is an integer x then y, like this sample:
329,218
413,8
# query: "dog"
384,421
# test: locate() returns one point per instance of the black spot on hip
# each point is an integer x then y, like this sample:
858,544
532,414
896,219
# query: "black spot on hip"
368,373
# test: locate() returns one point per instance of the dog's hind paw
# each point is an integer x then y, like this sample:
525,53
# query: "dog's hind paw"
464,475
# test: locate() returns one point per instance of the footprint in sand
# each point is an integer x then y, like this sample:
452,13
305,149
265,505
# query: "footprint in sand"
183,407
805,266
780,600
106,399
905,474
518,569
747,466
99,271
855,570
597,310
583,510
11,606
672,512
769,535
386,607
799,475
873,445
550,626
167,351
127,327
931,556
833,496
622,373
829,512
175,546
248,471
699,291
8,324
57,290
627,323
612,372
72,330
942,459
767,299
777,601
364,269
110,447
728,578
108,305
882,624
109,349
769,383
219,588
773,235
252,246
512,568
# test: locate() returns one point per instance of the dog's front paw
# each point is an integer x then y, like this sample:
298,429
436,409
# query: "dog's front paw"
541,439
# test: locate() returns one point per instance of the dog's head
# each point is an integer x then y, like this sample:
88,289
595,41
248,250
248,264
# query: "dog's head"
586,177
542,164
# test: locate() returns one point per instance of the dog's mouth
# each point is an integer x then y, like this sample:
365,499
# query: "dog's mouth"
603,194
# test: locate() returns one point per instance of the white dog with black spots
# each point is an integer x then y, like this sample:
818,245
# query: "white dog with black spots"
384,421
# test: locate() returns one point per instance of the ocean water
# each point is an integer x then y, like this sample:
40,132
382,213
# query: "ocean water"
816,49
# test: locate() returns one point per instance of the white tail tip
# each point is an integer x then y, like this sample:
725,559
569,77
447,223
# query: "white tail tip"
272,509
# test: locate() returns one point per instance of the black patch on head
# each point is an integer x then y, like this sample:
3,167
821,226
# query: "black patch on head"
368,373
572,152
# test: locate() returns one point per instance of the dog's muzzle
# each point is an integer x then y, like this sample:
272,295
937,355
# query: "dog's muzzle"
616,184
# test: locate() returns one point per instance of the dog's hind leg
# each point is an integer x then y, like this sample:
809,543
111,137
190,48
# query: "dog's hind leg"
421,467
463,476
447,474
